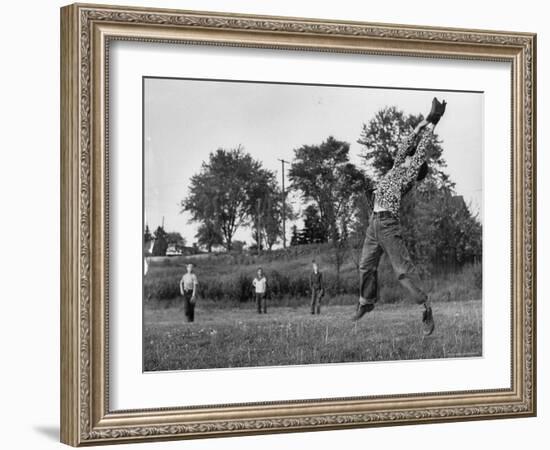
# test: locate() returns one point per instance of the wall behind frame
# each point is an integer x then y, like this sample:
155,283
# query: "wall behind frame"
29,225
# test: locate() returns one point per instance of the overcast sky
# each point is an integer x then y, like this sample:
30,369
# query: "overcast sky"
185,120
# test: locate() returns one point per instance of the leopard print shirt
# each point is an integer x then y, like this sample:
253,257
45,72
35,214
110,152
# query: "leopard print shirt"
394,184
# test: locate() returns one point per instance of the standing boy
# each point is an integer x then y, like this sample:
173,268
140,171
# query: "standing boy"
188,289
317,289
260,291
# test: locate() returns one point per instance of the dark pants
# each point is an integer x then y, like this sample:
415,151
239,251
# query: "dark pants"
384,236
261,302
316,296
188,306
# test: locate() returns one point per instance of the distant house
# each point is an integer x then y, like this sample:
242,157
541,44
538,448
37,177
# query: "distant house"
174,250
181,250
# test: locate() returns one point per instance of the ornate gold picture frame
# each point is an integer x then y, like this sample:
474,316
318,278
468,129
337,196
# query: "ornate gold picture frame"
86,34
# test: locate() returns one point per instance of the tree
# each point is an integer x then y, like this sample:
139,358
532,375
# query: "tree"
195,247
148,241
381,136
441,232
272,224
225,192
238,246
314,230
147,236
294,237
208,236
268,217
339,252
439,229
272,219
161,242
176,239
323,174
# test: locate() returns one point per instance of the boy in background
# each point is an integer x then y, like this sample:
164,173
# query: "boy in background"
188,289
260,291
317,289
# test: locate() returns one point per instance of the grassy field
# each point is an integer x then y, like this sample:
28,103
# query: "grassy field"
239,337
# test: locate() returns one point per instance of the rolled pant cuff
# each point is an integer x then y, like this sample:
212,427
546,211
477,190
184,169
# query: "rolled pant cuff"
363,301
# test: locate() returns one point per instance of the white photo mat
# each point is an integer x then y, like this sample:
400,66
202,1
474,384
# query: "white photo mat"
130,388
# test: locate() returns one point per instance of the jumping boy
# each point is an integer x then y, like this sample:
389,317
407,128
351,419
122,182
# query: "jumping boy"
260,291
188,289
384,230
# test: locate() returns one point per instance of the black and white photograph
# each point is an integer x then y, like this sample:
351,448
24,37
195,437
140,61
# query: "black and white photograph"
295,224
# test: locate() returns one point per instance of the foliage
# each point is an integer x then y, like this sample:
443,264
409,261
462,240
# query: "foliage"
440,231
268,217
438,227
295,236
161,242
234,190
382,135
324,174
224,194
314,230
147,236
175,239
208,235
238,246
272,218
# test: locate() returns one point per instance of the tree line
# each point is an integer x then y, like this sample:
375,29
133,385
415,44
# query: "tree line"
233,190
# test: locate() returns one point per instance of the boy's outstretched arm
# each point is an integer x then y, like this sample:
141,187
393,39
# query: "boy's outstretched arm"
409,142
418,158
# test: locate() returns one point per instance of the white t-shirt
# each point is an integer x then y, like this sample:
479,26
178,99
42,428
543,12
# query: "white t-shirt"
189,281
260,284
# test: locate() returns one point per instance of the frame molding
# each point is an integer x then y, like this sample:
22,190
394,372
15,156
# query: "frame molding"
86,31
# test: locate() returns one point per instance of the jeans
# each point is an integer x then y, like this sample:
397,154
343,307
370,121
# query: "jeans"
188,306
384,236
261,302
316,295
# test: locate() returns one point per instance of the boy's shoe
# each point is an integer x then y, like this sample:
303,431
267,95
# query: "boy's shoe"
428,324
362,310
438,109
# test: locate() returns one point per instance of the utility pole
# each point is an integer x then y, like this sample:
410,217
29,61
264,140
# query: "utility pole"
259,225
283,162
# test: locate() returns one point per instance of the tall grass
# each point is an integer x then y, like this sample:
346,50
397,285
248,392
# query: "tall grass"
227,278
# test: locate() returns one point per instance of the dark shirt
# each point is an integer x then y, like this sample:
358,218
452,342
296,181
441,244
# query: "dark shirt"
316,280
